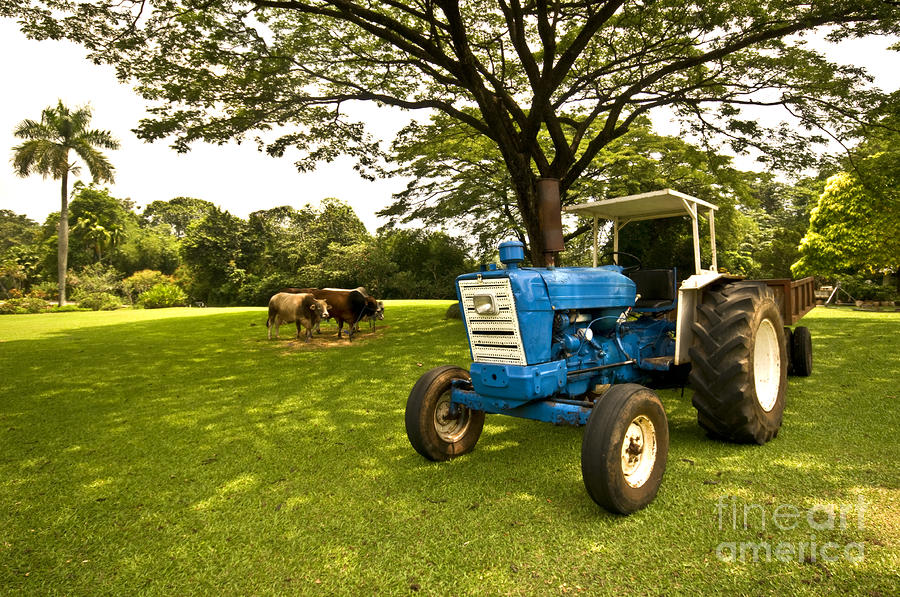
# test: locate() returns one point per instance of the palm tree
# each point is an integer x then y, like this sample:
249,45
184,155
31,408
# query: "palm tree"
46,152
97,235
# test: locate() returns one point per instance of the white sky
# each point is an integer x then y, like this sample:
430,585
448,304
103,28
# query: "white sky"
237,178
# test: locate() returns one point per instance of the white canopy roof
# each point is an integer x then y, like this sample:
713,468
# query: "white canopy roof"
666,203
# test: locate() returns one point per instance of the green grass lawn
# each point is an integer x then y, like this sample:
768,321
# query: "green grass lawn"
178,452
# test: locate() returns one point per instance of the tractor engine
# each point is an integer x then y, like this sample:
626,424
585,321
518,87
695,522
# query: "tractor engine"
541,333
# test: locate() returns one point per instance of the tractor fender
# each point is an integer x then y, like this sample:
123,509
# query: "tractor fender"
690,294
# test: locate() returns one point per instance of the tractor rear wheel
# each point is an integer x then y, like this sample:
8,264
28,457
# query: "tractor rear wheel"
437,428
624,450
739,363
801,351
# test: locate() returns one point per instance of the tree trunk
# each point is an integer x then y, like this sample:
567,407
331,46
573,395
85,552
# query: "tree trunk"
63,243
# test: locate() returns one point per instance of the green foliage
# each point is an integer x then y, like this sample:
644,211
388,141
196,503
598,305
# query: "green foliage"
149,247
142,281
177,214
162,296
98,222
257,290
67,309
12,276
96,278
548,85
862,288
427,263
212,248
99,301
459,180
854,226
47,290
16,230
17,306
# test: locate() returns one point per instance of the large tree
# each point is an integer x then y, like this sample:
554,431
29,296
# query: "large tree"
177,213
576,74
460,182
854,226
47,150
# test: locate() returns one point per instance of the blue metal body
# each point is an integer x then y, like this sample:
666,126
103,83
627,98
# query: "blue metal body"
564,362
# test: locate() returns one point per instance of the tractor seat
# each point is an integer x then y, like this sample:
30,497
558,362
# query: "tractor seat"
656,287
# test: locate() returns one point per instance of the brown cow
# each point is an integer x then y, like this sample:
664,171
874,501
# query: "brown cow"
301,308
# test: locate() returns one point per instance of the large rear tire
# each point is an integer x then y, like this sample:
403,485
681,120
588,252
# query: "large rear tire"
436,428
624,450
739,363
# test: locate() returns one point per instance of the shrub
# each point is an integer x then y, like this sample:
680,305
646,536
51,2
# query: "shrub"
23,305
97,301
46,290
65,309
863,289
142,281
162,296
94,278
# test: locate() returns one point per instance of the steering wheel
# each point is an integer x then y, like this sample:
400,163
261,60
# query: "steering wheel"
631,268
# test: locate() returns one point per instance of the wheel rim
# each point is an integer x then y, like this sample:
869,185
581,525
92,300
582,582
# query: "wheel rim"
450,423
638,451
766,365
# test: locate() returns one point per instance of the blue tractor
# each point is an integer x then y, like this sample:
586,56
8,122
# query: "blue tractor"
580,346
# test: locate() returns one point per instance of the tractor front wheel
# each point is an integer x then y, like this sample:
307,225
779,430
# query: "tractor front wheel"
624,450
437,428
739,363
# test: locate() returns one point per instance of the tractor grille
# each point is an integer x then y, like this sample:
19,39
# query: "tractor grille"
493,338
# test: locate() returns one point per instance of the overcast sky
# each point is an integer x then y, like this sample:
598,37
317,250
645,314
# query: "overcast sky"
237,178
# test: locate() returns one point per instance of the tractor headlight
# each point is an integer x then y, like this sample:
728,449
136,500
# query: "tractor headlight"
484,304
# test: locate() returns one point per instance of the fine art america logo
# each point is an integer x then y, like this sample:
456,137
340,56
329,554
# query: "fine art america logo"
732,514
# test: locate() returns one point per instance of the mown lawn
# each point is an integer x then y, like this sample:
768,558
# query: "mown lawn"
178,452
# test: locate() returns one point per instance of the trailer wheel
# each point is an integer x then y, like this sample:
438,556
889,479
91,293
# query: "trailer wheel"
801,351
437,429
624,450
788,342
739,363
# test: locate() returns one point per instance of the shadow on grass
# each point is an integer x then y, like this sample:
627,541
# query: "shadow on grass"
197,447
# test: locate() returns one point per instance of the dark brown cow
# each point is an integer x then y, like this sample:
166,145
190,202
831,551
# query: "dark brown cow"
378,306
303,308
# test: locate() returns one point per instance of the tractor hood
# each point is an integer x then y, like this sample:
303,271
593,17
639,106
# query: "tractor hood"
544,289
587,288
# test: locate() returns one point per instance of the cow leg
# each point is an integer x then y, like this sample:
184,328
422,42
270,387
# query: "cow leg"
340,323
298,329
308,334
277,325
269,328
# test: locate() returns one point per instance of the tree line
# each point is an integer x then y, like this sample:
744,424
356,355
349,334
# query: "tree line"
840,222
218,258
